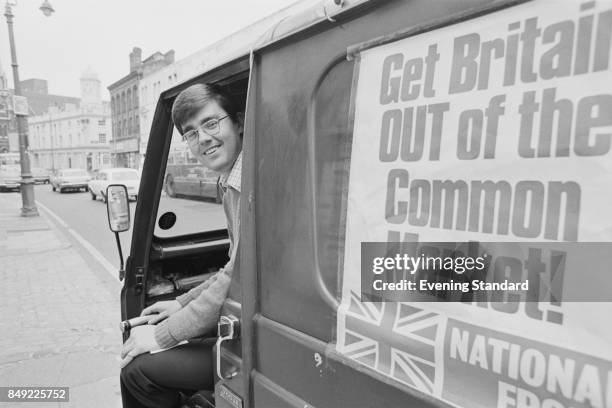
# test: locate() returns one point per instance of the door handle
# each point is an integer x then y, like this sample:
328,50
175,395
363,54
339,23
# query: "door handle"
228,328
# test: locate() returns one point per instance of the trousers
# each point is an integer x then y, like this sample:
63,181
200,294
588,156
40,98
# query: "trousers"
157,380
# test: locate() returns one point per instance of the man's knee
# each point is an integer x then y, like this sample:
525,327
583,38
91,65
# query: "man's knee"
133,376
139,390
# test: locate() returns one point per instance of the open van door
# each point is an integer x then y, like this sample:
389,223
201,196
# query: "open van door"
178,242
342,116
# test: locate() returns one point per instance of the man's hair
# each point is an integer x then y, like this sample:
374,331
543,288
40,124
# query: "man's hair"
191,100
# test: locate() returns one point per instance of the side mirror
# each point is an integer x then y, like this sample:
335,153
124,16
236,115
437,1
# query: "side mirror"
118,208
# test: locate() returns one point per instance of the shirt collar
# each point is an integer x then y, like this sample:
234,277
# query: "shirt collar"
232,179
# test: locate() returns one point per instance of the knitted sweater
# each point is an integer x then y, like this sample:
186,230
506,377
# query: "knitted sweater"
201,305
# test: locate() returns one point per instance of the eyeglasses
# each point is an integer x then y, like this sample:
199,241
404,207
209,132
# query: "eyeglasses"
210,127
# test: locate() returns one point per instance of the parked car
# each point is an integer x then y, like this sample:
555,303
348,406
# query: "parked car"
41,175
9,178
130,178
70,179
193,181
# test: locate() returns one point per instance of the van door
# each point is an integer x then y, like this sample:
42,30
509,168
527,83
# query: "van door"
178,243
313,180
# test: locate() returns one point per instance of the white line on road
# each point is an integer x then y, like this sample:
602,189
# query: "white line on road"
88,247
52,214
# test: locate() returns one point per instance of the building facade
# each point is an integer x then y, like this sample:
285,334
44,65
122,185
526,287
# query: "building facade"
39,99
39,102
125,107
73,135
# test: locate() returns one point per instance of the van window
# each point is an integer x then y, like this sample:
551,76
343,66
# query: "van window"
125,175
333,137
190,190
190,196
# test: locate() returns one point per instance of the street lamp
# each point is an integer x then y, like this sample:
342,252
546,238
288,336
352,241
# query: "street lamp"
52,136
27,182
46,8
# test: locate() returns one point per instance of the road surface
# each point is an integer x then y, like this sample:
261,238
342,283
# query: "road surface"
88,219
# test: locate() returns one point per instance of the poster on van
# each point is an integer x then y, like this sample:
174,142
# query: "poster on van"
496,129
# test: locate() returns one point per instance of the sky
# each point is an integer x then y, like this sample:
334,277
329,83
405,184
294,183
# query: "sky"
102,33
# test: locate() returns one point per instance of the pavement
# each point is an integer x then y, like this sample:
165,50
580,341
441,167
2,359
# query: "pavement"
59,313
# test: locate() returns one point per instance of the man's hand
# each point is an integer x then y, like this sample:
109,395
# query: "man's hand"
142,340
163,309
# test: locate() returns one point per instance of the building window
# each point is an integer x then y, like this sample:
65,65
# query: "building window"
102,122
85,121
102,138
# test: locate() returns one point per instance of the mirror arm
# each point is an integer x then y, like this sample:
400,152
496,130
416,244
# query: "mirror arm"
121,271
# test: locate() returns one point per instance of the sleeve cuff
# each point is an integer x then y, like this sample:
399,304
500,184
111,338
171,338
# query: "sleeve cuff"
163,336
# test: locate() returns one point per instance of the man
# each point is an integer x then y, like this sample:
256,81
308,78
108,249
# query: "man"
212,127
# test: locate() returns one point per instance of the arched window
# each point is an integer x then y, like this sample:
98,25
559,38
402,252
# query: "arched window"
129,100
122,102
135,96
130,130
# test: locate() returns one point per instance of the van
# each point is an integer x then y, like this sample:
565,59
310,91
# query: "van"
402,123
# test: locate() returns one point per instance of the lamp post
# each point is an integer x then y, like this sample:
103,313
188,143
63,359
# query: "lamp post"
52,135
27,182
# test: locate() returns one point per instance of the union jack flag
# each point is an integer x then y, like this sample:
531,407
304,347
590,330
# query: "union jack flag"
395,339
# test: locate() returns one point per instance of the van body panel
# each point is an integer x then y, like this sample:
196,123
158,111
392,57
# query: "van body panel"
289,73
302,95
300,118
301,201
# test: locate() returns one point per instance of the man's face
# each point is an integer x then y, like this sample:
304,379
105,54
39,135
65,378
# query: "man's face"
216,152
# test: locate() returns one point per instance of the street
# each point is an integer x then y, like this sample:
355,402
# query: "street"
88,219
60,294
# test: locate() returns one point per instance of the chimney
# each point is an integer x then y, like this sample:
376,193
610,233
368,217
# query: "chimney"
169,57
135,59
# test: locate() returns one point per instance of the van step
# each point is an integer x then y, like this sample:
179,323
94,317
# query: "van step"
201,399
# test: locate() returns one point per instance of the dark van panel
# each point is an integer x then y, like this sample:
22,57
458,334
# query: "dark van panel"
298,149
